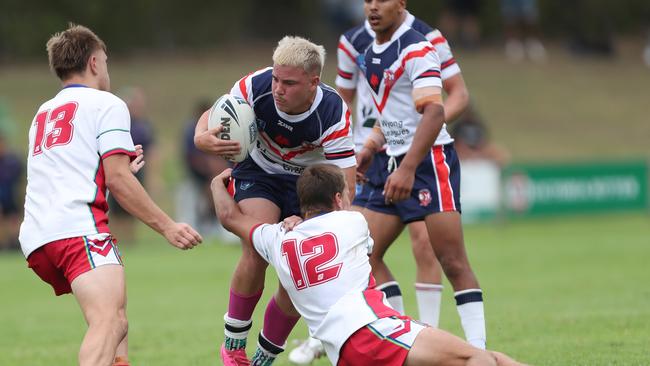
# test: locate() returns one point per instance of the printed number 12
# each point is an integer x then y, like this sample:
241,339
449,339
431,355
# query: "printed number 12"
319,250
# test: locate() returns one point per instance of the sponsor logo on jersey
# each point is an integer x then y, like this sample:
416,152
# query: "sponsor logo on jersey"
245,185
424,195
282,124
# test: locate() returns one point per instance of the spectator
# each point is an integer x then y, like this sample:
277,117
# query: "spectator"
520,19
191,203
11,170
142,133
472,139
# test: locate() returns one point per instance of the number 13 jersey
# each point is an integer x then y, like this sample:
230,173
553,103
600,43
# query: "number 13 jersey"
66,187
323,265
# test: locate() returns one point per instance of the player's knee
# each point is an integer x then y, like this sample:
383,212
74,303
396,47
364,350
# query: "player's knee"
376,262
454,267
121,325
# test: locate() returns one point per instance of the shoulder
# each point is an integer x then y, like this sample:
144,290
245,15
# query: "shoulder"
353,219
106,99
411,37
261,79
331,106
358,37
422,27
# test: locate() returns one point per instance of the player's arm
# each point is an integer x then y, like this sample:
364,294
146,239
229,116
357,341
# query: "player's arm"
207,141
130,194
229,213
457,97
428,102
347,95
350,178
373,144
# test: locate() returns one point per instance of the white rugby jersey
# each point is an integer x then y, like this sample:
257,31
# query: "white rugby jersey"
286,143
355,42
66,189
323,265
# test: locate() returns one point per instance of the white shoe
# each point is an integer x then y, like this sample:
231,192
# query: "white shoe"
306,352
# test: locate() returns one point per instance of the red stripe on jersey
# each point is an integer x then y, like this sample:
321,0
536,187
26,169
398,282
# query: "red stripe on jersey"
342,47
242,86
399,72
131,154
250,233
374,299
231,187
288,156
447,63
345,75
342,132
99,206
438,40
429,74
442,174
338,155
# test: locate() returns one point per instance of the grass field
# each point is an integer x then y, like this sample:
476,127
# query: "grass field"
569,291
559,291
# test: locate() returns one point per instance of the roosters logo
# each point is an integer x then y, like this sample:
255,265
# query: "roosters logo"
424,195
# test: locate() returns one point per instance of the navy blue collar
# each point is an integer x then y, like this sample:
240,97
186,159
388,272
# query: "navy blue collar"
75,86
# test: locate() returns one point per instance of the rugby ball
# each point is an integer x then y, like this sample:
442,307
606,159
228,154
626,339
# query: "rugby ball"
238,121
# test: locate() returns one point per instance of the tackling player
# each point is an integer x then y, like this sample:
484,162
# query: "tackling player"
323,264
80,146
422,174
301,122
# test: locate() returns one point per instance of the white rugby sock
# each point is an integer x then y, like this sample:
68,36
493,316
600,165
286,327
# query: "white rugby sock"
472,317
393,295
429,296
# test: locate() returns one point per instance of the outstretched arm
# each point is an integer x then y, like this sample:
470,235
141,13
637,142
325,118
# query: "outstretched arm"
130,194
230,216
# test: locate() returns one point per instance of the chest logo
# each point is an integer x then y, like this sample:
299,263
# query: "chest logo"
285,125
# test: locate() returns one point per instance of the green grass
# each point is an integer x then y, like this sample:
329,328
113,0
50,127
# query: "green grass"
566,291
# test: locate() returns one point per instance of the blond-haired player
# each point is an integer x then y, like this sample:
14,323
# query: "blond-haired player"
79,149
301,122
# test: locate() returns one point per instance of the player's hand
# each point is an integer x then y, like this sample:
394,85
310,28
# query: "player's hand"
364,158
182,236
223,178
138,162
208,142
290,222
399,185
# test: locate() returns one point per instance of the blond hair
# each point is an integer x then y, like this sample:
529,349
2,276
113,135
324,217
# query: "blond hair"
68,51
299,52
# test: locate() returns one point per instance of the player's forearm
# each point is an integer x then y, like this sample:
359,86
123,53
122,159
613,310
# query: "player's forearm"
135,200
350,177
200,129
433,117
227,210
457,97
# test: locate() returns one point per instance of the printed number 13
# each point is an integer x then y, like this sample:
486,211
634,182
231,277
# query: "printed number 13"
319,250
61,132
